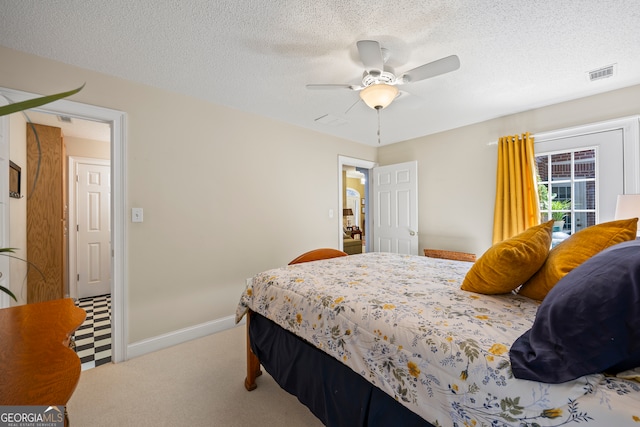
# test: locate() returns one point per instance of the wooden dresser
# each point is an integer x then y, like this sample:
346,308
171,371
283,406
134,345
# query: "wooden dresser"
37,367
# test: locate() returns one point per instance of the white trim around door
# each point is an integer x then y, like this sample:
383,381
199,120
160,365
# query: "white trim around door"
118,121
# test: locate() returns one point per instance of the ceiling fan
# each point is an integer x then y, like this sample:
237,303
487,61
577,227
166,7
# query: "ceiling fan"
379,83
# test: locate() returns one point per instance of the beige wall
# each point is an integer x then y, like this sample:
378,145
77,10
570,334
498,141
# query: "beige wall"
457,169
225,193
82,147
18,209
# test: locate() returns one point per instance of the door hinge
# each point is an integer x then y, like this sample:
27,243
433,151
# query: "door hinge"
78,277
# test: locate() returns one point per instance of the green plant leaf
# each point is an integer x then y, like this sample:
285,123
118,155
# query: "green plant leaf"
8,292
36,102
2,288
5,252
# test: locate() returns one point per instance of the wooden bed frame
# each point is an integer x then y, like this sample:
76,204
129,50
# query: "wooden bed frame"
253,364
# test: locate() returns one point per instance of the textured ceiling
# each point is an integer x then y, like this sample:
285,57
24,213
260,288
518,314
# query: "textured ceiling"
258,55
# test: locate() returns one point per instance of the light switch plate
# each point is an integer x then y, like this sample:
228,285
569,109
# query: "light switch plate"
136,215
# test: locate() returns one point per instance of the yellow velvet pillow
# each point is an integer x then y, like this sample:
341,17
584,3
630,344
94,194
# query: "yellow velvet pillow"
575,250
508,264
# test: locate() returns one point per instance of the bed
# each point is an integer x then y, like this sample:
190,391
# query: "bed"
387,339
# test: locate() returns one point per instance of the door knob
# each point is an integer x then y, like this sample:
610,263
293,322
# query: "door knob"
412,233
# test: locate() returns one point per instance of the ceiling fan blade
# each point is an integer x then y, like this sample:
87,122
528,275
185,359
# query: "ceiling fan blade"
371,55
409,100
352,105
332,86
432,69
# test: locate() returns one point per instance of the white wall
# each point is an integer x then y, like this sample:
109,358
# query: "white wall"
225,194
457,169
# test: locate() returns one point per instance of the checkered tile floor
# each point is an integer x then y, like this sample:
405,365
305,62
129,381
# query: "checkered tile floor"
93,338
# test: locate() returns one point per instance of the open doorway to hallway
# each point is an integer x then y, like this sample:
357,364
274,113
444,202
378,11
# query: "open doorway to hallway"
81,173
117,122
354,205
354,214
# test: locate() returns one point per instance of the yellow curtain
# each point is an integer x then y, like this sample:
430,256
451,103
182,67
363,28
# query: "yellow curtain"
516,207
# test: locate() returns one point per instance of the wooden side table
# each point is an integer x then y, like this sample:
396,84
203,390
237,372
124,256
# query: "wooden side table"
37,367
355,233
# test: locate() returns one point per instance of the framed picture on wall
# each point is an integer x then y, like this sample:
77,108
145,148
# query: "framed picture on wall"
15,175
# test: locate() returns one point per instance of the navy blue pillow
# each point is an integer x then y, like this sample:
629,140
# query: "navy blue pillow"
588,323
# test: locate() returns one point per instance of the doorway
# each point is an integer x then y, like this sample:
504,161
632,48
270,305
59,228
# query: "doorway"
398,209
357,172
80,186
116,120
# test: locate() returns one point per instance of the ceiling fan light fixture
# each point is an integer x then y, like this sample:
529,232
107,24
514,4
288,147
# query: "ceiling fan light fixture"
378,96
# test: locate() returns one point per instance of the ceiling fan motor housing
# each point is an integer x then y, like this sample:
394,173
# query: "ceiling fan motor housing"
375,77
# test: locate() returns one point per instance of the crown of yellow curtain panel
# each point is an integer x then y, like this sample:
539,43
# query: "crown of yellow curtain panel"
516,207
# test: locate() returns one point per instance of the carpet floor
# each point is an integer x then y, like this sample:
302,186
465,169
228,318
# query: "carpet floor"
197,383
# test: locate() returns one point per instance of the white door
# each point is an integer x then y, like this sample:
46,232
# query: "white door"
93,256
395,208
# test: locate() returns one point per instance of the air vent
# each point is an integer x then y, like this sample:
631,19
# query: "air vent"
64,119
601,73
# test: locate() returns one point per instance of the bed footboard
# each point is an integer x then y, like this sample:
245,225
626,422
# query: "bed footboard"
253,364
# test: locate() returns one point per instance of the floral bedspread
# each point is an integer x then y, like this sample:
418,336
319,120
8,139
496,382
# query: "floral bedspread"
403,323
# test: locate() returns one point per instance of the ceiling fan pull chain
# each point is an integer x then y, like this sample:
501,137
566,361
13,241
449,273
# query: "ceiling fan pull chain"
378,109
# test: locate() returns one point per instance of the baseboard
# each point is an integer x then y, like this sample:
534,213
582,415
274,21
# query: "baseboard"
180,336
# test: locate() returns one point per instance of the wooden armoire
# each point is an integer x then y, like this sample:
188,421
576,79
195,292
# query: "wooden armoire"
46,213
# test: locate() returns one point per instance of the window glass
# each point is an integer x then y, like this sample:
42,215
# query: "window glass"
567,190
585,164
560,167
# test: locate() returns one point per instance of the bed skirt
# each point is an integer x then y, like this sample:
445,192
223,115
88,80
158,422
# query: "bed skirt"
333,392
